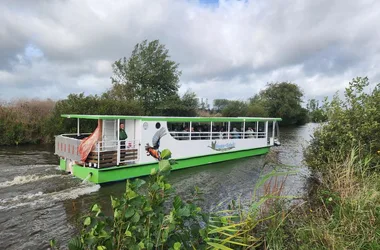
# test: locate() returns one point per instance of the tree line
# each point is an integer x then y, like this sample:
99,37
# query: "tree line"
146,83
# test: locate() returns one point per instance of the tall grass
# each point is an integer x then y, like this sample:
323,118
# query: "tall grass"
241,227
24,121
344,211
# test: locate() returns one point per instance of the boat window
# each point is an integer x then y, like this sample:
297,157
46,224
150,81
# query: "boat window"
270,129
158,125
179,130
261,130
219,130
236,130
200,130
250,130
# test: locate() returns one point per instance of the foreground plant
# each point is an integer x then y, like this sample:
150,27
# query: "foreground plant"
140,219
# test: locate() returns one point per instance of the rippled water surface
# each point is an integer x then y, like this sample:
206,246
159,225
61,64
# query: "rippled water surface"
38,202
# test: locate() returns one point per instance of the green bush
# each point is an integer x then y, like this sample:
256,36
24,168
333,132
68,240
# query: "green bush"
352,122
141,220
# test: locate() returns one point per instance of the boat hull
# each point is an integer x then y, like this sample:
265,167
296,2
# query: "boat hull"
119,173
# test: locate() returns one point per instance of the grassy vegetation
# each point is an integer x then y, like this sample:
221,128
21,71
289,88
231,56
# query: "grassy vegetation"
37,121
24,121
341,210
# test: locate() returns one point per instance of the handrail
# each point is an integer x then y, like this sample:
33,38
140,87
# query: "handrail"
67,147
118,146
103,146
184,135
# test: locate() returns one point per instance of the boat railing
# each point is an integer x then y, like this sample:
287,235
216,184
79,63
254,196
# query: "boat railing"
105,153
113,153
184,135
67,147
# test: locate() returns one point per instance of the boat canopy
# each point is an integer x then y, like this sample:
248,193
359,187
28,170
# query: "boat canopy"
172,119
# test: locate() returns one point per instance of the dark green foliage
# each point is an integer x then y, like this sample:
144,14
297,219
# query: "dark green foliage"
142,218
148,76
317,113
353,122
176,106
284,100
277,100
220,104
341,210
256,107
235,109
90,105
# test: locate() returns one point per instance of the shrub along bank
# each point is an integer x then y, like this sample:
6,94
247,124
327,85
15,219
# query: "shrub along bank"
342,208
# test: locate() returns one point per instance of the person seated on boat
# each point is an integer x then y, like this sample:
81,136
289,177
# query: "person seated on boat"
194,133
221,134
235,134
122,135
249,133
215,133
200,133
185,134
194,136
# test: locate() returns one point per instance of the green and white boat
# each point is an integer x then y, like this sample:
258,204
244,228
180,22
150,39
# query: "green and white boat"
193,141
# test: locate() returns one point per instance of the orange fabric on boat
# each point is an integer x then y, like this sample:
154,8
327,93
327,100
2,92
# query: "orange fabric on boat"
88,143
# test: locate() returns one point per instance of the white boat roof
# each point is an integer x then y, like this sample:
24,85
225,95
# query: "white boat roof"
171,118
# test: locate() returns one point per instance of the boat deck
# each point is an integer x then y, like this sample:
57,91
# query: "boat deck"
109,158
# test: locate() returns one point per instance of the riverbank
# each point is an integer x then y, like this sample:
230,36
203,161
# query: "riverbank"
341,209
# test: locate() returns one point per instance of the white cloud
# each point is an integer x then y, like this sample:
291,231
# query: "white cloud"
230,50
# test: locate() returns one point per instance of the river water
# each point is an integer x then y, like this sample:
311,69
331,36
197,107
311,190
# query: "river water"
38,202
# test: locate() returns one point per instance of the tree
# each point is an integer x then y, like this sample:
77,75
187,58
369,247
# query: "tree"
316,112
353,123
89,105
204,105
148,76
256,107
235,109
190,102
176,106
220,104
284,100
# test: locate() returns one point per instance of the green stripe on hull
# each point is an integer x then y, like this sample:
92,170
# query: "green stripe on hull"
62,164
125,172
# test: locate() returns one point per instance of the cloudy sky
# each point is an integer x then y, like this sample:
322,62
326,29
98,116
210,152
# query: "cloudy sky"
226,49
